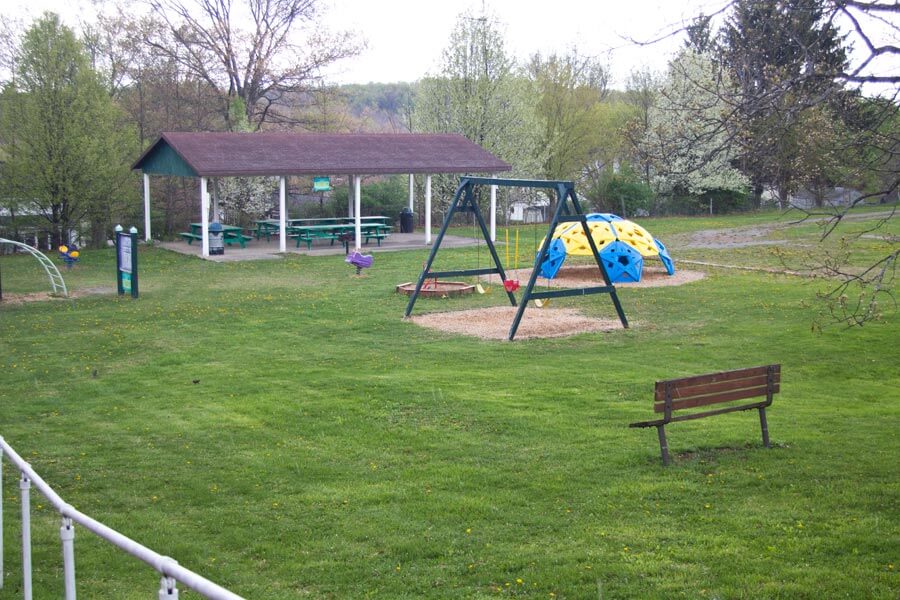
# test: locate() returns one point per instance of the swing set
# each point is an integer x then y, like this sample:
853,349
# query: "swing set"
464,201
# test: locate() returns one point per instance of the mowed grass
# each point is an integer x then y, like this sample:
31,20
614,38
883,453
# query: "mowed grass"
277,427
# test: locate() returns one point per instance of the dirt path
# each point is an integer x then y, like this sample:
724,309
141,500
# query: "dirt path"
754,235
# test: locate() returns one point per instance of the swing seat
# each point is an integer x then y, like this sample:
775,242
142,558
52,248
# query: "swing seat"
511,285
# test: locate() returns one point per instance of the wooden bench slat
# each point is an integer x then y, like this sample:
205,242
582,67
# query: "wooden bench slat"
724,376
718,398
681,390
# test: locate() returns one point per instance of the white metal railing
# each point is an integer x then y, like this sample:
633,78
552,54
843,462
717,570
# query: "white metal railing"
170,571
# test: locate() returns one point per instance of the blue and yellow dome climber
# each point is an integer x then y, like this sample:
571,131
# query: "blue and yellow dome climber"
622,246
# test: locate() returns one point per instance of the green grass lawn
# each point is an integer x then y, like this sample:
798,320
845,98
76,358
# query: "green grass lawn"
277,427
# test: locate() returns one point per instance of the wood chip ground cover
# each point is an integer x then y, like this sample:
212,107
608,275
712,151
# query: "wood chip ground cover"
493,323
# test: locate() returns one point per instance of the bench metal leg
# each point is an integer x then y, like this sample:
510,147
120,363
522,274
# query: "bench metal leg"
764,426
663,445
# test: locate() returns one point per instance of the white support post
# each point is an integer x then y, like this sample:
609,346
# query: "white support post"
428,209
412,193
204,218
67,535
1,518
350,182
146,209
282,211
25,487
357,221
493,212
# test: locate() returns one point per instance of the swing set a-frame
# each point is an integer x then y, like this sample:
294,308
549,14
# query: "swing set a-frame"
464,201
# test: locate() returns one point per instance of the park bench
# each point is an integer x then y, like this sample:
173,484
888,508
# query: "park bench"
732,387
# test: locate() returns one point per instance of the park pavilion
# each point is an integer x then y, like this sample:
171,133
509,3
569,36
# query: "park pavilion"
281,154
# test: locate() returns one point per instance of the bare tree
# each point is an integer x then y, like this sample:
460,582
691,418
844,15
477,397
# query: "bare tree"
267,65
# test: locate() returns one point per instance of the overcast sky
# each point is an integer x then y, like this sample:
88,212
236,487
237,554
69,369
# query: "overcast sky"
405,37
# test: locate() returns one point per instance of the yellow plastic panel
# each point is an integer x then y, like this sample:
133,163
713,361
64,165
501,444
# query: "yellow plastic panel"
576,242
635,236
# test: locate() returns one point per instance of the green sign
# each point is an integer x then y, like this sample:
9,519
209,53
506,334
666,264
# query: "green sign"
126,282
321,184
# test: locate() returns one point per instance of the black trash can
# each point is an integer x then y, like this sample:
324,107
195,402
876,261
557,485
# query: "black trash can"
216,239
407,220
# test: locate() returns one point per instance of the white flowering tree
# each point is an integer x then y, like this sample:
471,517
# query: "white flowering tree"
686,143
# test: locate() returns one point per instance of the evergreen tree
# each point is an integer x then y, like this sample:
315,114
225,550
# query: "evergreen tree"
785,56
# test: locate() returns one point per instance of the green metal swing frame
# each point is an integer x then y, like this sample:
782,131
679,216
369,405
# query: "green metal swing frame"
464,201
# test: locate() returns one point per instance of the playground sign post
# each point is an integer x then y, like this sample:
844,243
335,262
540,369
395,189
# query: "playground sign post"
126,261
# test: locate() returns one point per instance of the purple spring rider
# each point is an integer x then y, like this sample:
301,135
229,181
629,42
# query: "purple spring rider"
360,261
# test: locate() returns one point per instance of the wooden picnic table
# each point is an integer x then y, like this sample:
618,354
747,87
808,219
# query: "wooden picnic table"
372,227
338,220
267,228
335,232
230,234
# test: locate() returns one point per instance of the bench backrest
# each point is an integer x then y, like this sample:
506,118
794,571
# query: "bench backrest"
715,388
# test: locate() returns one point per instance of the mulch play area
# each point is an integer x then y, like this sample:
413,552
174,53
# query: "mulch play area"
493,323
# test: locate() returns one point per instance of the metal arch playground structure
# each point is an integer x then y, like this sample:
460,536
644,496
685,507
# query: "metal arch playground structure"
568,210
58,286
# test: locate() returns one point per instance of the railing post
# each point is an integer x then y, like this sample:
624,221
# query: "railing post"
25,487
1,518
67,535
167,588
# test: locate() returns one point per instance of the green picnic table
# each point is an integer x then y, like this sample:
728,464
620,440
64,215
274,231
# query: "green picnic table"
231,234
336,232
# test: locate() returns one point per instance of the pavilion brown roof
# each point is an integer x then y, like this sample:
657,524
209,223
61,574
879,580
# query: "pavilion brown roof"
279,153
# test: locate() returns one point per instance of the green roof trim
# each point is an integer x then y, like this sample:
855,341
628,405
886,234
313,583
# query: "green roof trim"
162,159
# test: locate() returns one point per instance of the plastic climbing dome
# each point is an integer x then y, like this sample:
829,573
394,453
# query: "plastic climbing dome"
622,245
